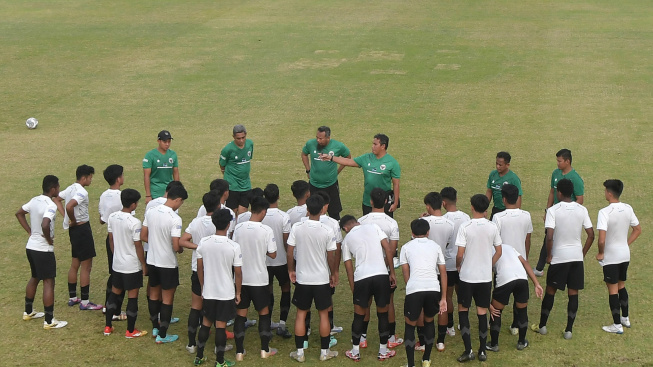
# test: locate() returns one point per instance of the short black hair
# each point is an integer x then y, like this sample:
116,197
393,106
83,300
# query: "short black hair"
211,201
383,140
510,192
258,204
564,154
480,203
566,187
49,183
379,197
129,197
256,192
112,173
449,193
615,187
219,184
434,200
83,171
178,192
172,184
419,227
505,156
325,196
346,220
221,219
271,193
324,129
299,188
314,204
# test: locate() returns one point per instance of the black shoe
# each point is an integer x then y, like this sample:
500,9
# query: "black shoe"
284,333
466,357
482,357
522,346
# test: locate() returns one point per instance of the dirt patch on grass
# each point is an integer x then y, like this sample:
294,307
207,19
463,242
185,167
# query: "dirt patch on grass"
379,56
447,67
388,72
303,64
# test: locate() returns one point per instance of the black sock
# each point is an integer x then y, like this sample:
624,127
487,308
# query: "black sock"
392,328
383,327
613,300
522,323
118,299
623,300
429,336
154,307
547,305
324,342
72,290
85,292
482,331
165,316
572,309
284,306
108,290
271,305
366,324
193,323
495,328
264,331
442,333
420,335
450,319
409,341
463,318
357,328
132,313
514,315
299,341
220,344
331,319
29,305
49,313
111,308
202,337
239,333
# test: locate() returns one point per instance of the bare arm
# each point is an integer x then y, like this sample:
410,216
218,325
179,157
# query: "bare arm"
601,245
459,257
589,240
175,173
290,251
140,253
175,245
519,202
549,245
70,210
538,288
272,255
45,229
350,274
488,194
186,241
395,190
637,230
285,241
443,289
579,199
348,162
497,254
200,271
238,276
111,241
146,182
405,270
333,266
307,164
341,167
20,215
389,254
144,234
338,255
549,201
527,244
59,203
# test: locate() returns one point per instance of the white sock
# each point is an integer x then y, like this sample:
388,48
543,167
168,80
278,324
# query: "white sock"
282,324
73,298
355,349
85,302
324,352
363,337
391,339
300,352
383,348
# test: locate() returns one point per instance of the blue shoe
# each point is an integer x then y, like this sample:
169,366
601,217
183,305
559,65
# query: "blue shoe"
168,339
75,301
305,344
174,320
155,332
332,342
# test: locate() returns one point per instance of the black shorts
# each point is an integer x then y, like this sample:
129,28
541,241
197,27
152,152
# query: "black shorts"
453,278
258,295
195,286
305,294
615,273
280,272
216,310
238,198
43,265
480,292
109,255
377,286
569,274
335,206
127,281
167,278
518,288
414,303
81,241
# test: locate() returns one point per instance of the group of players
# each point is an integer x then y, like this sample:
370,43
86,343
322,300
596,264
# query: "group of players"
237,253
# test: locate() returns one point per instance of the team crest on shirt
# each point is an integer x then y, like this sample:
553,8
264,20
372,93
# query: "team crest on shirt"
506,183
145,160
158,161
170,160
249,154
331,153
236,157
382,167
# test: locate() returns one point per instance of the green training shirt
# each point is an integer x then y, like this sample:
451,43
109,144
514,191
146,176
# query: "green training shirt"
161,166
579,185
236,163
496,182
377,173
324,173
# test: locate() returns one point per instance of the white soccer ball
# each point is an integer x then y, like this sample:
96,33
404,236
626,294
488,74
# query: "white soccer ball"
32,123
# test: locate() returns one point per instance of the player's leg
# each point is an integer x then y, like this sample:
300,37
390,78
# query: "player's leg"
72,282
132,311
261,304
205,330
48,299
383,297
430,307
464,302
323,300
300,330
482,296
522,324
495,325
411,314
572,309
30,294
195,313
239,323
356,331
284,306
575,282
220,341
168,298
623,294
610,277
154,297
556,279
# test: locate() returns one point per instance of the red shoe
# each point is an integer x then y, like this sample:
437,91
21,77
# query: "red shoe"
397,342
135,334
230,335
363,344
108,330
387,355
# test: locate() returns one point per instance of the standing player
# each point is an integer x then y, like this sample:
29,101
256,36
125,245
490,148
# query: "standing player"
421,259
40,251
160,166
499,177
564,170
235,164
221,188
128,262
380,169
565,253
614,251
76,220
316,272
475,241
323,175
368,245
301,191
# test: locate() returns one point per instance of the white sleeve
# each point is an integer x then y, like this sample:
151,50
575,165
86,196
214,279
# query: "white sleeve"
633,219
291,237
440,260
461,238
199,250
530,223
51,212
346,255
394,235
602,221
271,241
587,222
403,256
238,256
136,230
286,224
109,229
381,234
331,246
497,238
550,221
176,227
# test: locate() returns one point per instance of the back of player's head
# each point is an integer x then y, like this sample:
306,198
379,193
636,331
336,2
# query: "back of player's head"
239,129
219,184
314,204
129,197
449,193
178,192
325,197
258,204
510,192
324,129
299,188
564,154
378,197
112,173
346,220
383,140
480,203
84,170
505,156
434,200
419,227
221,219
271,193
566,187
172,184
211,201
256,192
615,187
49,183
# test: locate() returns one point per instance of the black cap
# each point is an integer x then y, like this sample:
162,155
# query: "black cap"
165,135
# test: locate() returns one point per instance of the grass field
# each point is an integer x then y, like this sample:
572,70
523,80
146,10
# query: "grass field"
451,83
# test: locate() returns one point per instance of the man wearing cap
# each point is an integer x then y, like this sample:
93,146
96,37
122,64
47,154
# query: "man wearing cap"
160,166
235,160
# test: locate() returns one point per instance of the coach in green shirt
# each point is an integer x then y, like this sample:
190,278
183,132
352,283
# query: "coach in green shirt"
235,159
160,166
323,175
499,177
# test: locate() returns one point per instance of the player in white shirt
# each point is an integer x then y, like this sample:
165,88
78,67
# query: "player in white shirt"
128,262
245,215
162,230
221,188
76,220
217,255
314,245
301,191
512,271
421,260
449,198
613,225
257,242
368,246
475,240
565,252
40,251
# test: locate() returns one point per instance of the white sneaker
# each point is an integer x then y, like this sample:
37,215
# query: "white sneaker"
55,324
567,335
250,323
308,332
336,330
440,347
395,262
451,331
514,330
614,328
227,348
625,321
192,349
538,273
274,325
32,315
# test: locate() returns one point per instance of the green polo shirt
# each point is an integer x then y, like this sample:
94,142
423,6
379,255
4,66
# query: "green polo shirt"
236,162
496,182
161,166
377,173
324,173
579,185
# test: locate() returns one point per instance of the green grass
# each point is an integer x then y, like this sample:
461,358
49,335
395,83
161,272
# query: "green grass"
451,83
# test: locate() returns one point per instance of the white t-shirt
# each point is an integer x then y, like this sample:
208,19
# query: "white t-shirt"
363,244
567,221
423,257
514,225
219,255
279,221
109,203
387,224
256,240
616,220
332,224
199,228
38,208
509,267
458,217
79,193
162,224
297,213
244,217
202,212
477,236
153,204
312,240
441,232
126,230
